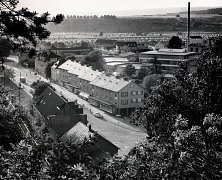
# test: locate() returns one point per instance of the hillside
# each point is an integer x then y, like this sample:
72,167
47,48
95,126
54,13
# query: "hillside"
136,25
216,11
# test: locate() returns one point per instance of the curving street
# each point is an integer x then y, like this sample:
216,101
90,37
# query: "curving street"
118,131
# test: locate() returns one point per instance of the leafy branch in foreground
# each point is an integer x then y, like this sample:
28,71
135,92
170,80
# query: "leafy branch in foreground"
23,28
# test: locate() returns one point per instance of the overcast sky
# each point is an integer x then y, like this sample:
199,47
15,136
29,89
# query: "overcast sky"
89,7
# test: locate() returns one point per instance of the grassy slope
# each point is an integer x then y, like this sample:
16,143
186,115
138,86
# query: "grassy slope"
137,25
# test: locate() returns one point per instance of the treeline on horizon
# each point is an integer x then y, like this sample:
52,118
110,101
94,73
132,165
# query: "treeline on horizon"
90,16
113,24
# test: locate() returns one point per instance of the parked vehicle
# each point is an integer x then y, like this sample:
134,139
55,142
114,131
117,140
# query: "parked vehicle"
97,114
22,79
31,91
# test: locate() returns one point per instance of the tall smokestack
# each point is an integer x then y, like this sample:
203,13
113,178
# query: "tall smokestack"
188,27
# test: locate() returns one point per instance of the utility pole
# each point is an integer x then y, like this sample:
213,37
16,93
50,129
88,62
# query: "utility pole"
19,86
188,27
4,78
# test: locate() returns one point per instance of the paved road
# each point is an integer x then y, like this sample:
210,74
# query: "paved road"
122,135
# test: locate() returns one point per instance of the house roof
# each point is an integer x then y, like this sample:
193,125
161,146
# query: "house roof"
78,134
127,54
110,83
89,75
115,59
59,62
49,102
74,67
168,52
116,63
164,43
137,66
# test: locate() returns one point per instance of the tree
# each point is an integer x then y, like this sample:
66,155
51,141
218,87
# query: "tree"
143,71
12,121
150,81
84,44
42,158
39,87
156,66
191,153
129,70
22,27
175,43
5,47
94,59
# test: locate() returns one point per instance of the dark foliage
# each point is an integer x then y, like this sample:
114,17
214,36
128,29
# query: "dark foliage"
175,43
94,59
129,70
22,27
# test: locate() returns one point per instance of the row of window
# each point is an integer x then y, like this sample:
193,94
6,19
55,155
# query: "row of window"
125,102
125,94
136,92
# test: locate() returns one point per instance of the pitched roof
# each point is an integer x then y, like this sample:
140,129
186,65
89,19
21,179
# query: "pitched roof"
110,83
74,67
127,54
168,52
78,134
90,75
50,102
136,65
47,55
115,59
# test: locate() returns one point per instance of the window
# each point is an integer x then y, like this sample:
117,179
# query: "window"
139,100
124,102
124,94
140,92
133,100
133,92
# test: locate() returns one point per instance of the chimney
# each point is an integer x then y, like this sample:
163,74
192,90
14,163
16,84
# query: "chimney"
188,27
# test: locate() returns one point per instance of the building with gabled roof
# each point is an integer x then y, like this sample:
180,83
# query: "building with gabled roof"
98,149
115,95
84,82
69,72
78,134
43,59
59,114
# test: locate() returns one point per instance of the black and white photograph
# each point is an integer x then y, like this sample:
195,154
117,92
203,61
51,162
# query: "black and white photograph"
111,90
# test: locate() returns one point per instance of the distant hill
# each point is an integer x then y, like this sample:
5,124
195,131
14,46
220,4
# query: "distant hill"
136,25
216,11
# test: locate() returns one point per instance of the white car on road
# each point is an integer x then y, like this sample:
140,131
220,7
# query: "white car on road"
97,114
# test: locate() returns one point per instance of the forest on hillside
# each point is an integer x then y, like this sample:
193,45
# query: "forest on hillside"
136,25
